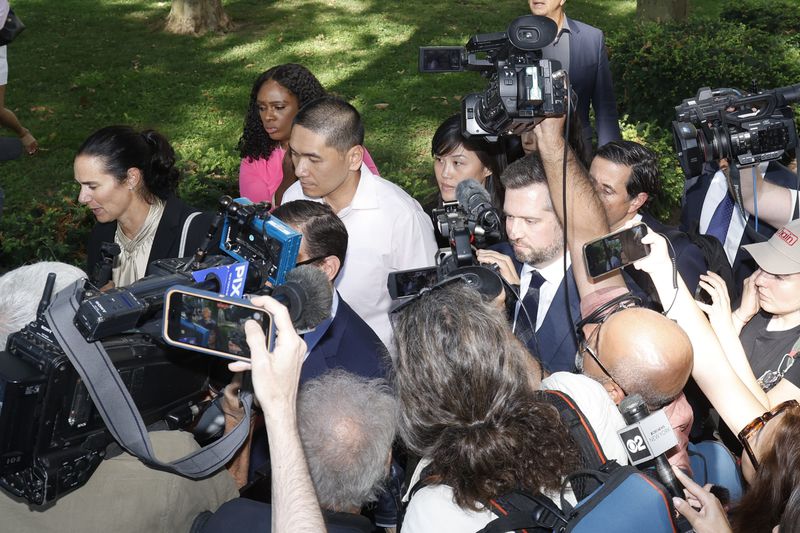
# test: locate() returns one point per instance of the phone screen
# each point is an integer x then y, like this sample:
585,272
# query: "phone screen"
615,250
211,324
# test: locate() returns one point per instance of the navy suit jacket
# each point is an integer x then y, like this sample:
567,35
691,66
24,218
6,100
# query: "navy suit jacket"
694,196
348,343
554,342
590,77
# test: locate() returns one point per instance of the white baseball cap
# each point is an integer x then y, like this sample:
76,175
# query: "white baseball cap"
781,253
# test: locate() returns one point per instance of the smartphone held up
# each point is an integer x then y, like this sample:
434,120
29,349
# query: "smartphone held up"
211,323
615,250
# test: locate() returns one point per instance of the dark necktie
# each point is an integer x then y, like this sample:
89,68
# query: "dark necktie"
721,219
530,302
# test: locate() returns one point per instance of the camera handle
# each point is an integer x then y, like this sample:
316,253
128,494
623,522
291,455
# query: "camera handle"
114,402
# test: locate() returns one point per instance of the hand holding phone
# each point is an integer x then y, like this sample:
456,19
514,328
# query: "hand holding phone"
615,250
275,365
210,323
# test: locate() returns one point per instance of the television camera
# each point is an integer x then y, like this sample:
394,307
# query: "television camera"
523,88
52,437
471,221
746,129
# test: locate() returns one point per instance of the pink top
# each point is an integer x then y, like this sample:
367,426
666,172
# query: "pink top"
260,178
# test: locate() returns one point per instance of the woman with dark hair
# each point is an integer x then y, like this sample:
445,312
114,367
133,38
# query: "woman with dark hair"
129,181
457,158
276,97
470,408
773,472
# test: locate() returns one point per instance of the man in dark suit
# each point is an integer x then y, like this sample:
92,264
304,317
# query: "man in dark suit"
344,340
581,50
533,259
706,197
627,180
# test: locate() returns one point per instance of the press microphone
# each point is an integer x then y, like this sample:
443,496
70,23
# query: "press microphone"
647,438
230,279
475,200
308,294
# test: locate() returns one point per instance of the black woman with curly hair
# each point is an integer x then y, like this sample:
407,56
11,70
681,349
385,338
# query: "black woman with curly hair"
276,97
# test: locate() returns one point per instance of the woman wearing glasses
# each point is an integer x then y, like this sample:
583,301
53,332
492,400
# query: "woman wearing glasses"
768,424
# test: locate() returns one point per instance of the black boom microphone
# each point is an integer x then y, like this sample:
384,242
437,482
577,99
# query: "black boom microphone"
307,294
634,410
475,200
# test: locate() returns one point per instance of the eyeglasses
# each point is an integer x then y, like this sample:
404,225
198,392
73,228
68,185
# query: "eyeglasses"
585,346
599,316
756,425
309,261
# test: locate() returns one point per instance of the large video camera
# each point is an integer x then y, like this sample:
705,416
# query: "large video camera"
468,223
523,89
745,129
51,435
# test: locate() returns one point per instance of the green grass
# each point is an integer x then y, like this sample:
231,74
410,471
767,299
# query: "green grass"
115,65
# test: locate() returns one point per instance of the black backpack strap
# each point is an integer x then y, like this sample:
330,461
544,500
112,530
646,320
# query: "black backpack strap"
532,513
579,428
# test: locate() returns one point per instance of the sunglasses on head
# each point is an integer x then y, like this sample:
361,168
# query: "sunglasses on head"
757,424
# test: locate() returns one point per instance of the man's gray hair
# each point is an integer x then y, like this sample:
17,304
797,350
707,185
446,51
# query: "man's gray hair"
347,425
21,289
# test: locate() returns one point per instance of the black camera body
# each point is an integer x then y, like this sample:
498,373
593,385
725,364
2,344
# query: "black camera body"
52,436
468,223
523,89
746,129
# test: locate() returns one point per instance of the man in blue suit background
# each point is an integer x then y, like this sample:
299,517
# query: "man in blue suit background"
344,340
581,50
533,259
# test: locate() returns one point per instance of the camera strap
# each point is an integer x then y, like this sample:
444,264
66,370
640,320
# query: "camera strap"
114,402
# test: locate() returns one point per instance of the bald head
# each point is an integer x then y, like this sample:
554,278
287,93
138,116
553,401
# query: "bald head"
646,353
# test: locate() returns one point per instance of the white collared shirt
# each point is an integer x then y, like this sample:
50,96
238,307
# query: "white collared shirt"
553,275
387,231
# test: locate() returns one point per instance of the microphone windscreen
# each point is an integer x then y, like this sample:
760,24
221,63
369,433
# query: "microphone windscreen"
314,295
633,408
471,194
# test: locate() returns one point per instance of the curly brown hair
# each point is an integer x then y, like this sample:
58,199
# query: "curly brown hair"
467,402
298,80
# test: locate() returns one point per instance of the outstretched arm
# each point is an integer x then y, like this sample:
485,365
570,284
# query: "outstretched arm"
735,403
276,376
775,204
585,216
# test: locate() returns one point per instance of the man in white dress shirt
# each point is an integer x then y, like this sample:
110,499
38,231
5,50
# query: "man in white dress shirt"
387,228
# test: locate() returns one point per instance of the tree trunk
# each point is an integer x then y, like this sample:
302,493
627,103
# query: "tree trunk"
195,17
662,10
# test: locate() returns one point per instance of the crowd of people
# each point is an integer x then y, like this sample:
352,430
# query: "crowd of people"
423,413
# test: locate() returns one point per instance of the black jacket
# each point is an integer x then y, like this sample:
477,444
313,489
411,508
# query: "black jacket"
167,241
